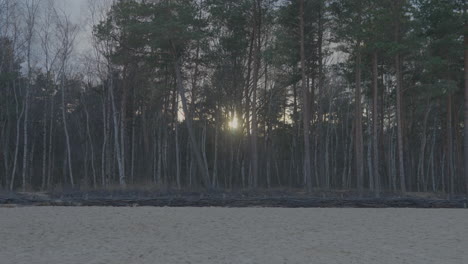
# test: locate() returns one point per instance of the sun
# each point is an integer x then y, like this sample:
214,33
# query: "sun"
234,123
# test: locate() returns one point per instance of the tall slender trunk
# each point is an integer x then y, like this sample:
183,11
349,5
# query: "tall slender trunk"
118,150
216,139
104,142
30,162
375,124
345,150
65,128
164,157
19,116
85,168
421,180
399,98
194,144
44,147
267,130
246,140
132,161
90,140
159,151
123,121
177,150
256,68
451,173
305,102
401,167
359,147
188,163
381,146
5,148
431,158
51,142
203,146
320,97
25,131
466,108
350,159
370,167
391,162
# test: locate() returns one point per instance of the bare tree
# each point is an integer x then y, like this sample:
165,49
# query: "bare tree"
50,54
31,7
399,98
12,30
193,141
375,124
66,33
466,104
256,60
305,104
256,69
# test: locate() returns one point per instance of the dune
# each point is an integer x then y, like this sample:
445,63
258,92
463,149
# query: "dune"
30,235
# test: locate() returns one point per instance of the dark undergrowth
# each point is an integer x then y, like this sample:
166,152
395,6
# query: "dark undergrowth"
293,198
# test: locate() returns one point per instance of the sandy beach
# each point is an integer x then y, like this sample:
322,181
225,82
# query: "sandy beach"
36,235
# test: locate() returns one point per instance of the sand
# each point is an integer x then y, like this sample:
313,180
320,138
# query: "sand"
223,235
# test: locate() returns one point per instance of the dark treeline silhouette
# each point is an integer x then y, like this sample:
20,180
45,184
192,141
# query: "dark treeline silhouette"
314,94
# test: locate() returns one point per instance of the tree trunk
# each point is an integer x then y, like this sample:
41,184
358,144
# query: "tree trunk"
401,168
5,147
359,147
159,151
256,68
65,128
123,121
203,148
25,130
44,147
375,124
466,108
104,142
118,150
51,141
132,161
193,141
177,145
450,146
431,159
305,103
422,151
399,98
31,10
19,115
215,158
370,167
90,140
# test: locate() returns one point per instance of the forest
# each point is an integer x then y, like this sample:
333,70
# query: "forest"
364,95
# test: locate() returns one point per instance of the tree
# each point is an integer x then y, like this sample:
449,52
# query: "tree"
235,94
399,95
466,105
348,16
66,34
31,10
256,68
305,103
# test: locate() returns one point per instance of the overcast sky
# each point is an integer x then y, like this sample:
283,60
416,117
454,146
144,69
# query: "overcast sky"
78,11
76,8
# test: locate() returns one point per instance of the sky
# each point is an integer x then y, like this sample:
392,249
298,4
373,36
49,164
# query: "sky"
76,8
79,13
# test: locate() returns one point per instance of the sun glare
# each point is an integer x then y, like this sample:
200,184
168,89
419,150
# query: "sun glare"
234,123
